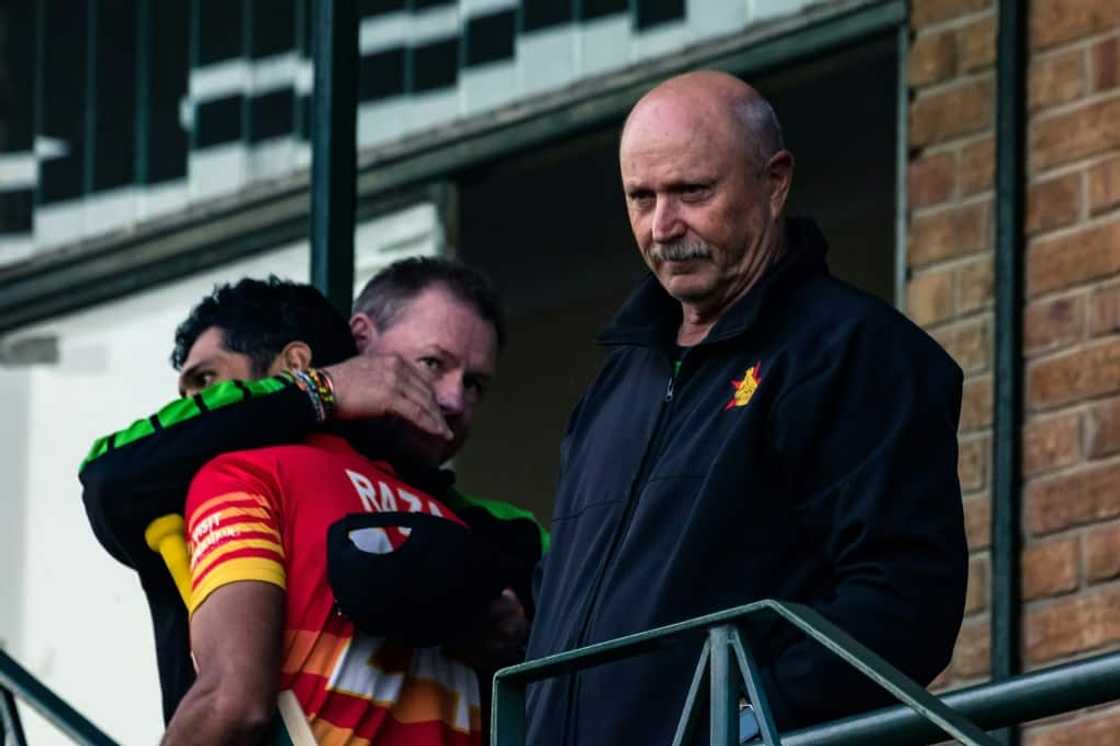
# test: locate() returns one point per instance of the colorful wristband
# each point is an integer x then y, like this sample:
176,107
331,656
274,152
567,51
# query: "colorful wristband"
319,390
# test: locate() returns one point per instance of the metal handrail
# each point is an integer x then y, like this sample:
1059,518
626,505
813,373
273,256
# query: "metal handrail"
723,645
18,681
1039,694
1020,699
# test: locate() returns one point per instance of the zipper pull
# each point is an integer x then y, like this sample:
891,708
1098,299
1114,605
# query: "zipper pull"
669,389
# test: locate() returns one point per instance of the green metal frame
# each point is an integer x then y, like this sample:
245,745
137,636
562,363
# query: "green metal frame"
93,11
143,89
1006,542
334,150
16,680
194,55
40,83
247,55
723,642
1038,694
95,271
300,33
902,163
11,729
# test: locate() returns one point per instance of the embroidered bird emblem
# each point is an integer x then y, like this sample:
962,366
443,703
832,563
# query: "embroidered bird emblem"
745,387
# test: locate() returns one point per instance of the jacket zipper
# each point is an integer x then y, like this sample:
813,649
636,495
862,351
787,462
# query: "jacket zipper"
620,532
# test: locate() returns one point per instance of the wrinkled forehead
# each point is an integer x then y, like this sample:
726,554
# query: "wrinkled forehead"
440,319
668,156
685,126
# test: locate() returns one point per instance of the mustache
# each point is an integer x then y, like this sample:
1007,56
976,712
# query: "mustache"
680,250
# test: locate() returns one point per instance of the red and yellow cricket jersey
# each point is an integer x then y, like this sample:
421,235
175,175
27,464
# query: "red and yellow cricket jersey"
263,515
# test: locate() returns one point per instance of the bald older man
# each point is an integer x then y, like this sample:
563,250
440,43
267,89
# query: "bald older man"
758,430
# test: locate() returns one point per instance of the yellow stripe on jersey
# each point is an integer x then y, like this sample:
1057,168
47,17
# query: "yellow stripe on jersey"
232,533
215,556
233,511
199,513
236,570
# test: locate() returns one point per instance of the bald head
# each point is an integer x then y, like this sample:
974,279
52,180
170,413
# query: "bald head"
714,104
706,181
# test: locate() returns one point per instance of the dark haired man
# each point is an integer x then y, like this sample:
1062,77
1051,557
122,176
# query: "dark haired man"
265,534
241,331
407,372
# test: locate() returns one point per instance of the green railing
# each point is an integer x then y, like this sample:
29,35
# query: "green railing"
16,681
1039,694
727,662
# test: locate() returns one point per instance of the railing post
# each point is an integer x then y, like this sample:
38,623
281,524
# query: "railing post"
14,679
507,713
725,689
752,675
687,723
11,728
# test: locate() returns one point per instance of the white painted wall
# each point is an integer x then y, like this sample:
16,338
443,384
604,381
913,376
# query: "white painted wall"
68,612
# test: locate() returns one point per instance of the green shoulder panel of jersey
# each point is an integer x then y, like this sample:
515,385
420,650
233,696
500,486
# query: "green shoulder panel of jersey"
507,512
217,396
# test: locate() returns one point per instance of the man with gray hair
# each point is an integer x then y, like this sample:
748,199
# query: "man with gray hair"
427,331
758,430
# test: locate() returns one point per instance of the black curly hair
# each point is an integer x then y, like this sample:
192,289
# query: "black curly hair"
259,317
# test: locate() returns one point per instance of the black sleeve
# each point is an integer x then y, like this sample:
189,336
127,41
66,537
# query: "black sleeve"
142,473
870,446
171,626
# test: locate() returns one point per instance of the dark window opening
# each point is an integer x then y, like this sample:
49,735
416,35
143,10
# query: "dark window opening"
550,227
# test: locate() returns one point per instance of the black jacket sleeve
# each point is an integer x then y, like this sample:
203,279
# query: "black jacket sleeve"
141,473
869,441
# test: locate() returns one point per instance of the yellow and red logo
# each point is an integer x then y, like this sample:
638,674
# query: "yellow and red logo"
745,387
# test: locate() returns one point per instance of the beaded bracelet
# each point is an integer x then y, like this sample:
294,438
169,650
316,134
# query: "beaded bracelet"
324,386
307,386
319,389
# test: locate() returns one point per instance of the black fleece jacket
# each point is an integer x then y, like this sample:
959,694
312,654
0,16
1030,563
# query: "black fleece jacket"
805,451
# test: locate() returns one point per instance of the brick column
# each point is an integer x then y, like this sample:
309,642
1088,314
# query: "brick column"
952,80
1071,438
1071,444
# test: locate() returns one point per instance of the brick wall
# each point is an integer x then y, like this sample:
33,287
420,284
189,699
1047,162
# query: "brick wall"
1071,438
952,79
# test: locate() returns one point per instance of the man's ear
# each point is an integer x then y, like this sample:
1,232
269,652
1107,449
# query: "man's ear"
364,331
779,176
296,355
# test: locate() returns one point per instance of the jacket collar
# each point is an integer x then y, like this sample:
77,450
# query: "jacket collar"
650,317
